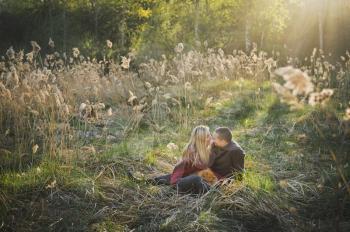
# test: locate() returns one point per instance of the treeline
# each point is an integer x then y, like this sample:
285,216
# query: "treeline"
72,23
153,27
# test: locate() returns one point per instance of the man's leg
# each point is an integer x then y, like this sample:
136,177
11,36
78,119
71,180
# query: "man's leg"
192,184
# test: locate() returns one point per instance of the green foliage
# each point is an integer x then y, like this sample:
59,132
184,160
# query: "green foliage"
152,27
82,23
220,23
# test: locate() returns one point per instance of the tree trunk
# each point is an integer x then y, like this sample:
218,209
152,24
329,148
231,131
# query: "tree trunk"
207,6
321,16
122,30
262,40
64,29
246,35
96,19
320,29
50,18
196,20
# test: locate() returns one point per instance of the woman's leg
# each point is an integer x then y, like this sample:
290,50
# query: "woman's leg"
161,180
192,184
165,179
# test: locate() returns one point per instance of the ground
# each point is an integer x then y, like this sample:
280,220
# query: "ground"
291,181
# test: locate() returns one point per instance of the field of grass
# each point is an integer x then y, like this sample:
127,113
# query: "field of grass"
291,183
72,130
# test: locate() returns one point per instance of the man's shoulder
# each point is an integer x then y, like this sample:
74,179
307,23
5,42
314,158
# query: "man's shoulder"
235,147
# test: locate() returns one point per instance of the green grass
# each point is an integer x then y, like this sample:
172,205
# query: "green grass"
39,177
259,181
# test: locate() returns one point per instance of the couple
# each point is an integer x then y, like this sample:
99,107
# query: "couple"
219,153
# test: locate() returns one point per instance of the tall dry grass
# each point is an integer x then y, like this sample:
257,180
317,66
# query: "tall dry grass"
47,99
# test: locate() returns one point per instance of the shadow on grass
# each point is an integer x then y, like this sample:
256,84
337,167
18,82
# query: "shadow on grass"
276,112
236,112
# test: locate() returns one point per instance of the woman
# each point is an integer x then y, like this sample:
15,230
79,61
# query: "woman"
194,159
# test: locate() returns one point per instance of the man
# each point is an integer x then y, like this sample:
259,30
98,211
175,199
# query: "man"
227,156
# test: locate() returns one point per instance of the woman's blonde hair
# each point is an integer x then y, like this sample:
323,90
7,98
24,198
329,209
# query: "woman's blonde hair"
197,150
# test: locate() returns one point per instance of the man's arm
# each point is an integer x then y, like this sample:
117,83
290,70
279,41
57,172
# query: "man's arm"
237,159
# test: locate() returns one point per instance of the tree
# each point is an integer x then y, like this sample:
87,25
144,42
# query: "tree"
196,20
321,9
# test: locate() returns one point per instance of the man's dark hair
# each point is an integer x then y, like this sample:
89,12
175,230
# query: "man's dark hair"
224,133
